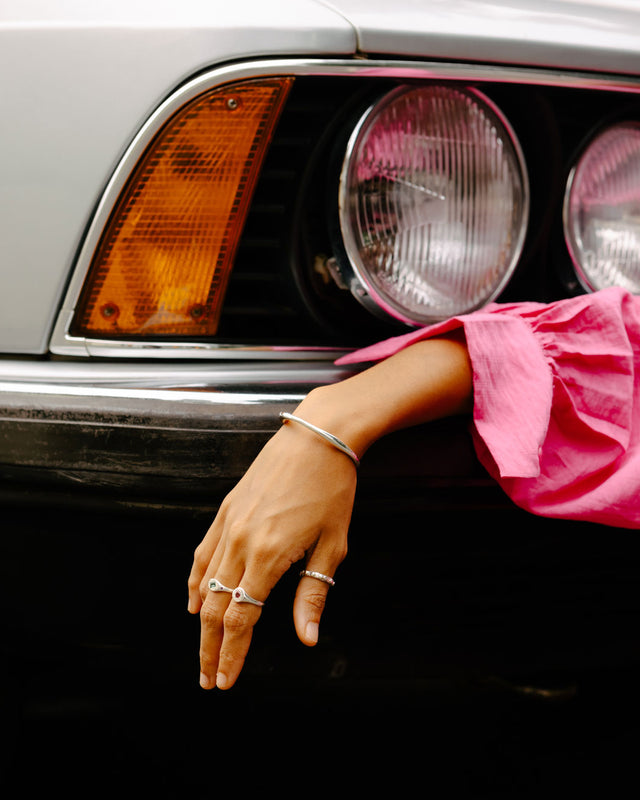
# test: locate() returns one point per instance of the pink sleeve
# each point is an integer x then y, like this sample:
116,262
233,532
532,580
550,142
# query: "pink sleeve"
556,391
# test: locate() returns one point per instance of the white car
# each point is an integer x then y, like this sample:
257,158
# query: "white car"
203,204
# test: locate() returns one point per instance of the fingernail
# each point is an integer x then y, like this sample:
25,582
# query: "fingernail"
204,681
311,631
221,680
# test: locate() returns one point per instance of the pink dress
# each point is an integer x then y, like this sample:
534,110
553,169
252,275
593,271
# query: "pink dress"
556,416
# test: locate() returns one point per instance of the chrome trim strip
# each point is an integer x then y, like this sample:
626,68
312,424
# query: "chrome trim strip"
166,395
220,377
196,393
63,344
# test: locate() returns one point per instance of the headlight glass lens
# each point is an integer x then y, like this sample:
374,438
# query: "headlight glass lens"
433,203
602,210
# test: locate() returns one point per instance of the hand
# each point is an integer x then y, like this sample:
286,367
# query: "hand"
294,501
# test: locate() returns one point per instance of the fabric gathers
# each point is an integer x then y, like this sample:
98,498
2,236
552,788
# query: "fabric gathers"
556,417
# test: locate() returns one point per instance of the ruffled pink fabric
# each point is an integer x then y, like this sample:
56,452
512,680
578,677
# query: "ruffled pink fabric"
556,401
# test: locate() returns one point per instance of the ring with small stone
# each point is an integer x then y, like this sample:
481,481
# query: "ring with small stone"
240,596
216,586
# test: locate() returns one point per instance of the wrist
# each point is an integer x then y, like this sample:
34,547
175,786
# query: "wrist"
337,410
334,441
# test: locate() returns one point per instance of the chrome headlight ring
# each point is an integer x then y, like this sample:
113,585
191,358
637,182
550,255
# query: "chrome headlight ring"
601,214
433,203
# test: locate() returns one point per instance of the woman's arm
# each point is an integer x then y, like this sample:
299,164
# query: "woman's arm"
427,381
296,499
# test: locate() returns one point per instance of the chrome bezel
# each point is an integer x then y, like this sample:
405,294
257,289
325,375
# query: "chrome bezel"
578,271
354,271
569,238
62,343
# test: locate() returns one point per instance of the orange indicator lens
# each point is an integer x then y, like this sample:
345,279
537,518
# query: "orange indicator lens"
163,263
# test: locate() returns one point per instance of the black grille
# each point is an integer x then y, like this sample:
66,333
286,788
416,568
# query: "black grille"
273,293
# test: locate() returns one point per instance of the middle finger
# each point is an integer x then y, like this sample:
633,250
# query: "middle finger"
242,613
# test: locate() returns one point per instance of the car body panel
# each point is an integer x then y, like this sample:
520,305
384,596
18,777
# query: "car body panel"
50,180
77,81
573,34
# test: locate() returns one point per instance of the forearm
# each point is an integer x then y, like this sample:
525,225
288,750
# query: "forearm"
426,381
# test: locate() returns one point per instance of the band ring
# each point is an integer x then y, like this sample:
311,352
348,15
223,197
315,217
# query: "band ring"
240,596
216,586
318,575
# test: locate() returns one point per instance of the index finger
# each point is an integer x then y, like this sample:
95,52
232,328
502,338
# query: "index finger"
202,561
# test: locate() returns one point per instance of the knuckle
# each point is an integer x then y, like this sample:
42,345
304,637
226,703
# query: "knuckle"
236,621
209,618
330,554
199,557
339,552
193,583
236,535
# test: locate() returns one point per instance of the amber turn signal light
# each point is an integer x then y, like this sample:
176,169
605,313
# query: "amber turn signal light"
163,263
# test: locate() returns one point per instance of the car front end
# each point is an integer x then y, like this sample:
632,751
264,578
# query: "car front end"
201,209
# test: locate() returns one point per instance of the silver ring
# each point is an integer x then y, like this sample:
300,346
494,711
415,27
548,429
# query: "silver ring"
216,586
240,596
318,575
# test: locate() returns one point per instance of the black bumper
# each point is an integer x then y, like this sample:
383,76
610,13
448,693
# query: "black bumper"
453,611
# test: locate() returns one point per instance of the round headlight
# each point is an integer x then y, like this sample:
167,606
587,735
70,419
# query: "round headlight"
602,210
433,203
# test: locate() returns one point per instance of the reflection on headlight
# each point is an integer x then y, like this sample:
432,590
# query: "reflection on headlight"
602,210
433,203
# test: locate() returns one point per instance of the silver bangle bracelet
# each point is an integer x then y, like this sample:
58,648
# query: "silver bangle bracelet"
329,437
